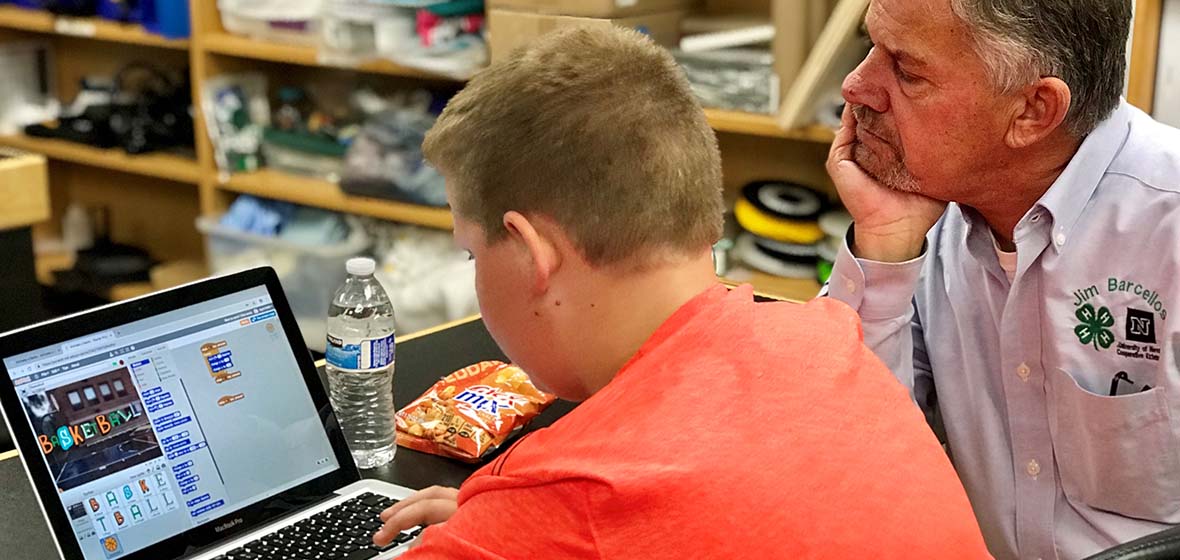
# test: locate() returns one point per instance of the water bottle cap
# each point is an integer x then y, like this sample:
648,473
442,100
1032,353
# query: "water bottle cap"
360,266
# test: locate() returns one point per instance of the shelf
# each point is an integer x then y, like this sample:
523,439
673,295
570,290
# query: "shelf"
765,125
12,17
245,47
162,165
268,183
721,120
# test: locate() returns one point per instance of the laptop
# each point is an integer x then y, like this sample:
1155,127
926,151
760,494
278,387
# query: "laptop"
188,424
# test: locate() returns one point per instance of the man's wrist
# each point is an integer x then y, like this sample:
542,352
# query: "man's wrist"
885,248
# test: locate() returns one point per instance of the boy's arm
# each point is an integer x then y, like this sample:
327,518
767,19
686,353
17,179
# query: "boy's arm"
502,517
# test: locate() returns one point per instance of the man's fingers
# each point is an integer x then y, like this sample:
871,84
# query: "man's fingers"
842,146
846,173
421,512
432,493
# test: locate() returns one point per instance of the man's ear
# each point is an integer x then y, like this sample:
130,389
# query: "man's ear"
542,251
1041,109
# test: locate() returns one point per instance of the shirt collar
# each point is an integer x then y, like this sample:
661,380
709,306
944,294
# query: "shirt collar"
1071,192
981,242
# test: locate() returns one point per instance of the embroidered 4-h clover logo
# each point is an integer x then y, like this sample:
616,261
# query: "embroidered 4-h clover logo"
1095,327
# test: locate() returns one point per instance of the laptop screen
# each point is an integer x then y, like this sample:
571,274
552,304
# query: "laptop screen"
157,426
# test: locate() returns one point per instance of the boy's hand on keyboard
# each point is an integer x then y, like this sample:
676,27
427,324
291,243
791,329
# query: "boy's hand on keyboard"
427,507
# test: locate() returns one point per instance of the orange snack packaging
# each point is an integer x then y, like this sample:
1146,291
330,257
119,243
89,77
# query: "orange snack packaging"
471,412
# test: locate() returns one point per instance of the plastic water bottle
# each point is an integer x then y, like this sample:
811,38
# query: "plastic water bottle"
360,361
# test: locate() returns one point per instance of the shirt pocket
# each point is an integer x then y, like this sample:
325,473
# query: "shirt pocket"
1117,454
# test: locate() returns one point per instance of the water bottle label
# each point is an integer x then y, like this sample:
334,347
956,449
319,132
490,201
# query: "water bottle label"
360,353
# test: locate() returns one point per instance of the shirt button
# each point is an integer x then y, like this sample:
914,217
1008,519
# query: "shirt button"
850,284
1034,468
1060,239
1024,372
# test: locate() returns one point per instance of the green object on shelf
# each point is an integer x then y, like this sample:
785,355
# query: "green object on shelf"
456,8
304,143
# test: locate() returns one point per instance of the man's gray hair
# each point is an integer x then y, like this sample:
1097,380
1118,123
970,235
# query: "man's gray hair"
1082,42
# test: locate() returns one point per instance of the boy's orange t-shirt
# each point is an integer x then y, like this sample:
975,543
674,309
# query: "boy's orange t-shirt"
739,429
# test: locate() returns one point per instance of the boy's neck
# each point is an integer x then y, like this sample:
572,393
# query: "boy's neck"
621,311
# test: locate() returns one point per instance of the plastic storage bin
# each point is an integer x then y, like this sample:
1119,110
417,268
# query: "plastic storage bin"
309,274
117,10
350,29
171,18
25,91
295,22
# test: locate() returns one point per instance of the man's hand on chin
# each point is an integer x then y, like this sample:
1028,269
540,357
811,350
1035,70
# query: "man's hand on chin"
890,224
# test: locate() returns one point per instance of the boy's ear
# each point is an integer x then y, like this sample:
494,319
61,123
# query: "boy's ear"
542,251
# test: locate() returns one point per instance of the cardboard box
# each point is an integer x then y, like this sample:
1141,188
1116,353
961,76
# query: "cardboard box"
508,30
590,8
24,188
793,38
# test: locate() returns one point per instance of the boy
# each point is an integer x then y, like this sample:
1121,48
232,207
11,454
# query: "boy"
586,183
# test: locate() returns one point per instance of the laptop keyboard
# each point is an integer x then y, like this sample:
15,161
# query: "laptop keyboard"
343,532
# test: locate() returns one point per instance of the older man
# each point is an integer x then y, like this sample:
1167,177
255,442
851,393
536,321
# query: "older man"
1030,315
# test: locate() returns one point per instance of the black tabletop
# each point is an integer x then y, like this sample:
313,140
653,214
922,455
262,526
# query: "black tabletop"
23,532
421,361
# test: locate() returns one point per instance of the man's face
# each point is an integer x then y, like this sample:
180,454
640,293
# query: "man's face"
927,115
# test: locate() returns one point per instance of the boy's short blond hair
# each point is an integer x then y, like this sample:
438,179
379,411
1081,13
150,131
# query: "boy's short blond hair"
595,128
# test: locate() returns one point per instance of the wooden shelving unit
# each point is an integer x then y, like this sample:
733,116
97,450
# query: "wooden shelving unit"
277,185
168,166
721,120
766,126
244,47
12,17
217,50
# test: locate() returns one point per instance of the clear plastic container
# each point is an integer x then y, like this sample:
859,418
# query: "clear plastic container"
350,30
309,274
295,22
292,32
25,91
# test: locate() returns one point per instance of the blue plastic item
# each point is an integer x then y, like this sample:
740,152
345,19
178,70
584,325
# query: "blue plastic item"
122,10
171,18
147,15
